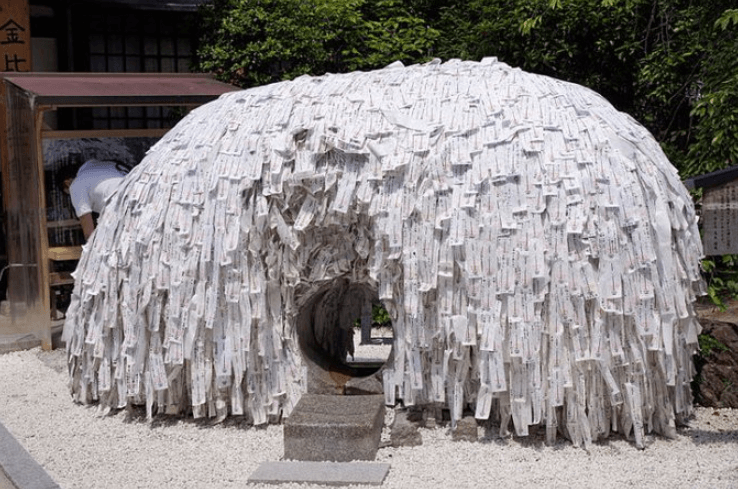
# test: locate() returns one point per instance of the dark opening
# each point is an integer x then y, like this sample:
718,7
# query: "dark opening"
329,328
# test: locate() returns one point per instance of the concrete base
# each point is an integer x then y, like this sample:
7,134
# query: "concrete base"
18,342
334,428
328,473
10,342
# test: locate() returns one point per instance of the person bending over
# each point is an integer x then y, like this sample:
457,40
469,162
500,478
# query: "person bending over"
89,187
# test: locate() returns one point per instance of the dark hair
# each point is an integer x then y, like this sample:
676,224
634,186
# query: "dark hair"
122,166
69,170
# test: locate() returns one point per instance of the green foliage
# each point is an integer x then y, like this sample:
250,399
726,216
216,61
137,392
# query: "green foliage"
583,41
708,344
715,144
380,316
387,32
250,42
721,274
729,17
687,85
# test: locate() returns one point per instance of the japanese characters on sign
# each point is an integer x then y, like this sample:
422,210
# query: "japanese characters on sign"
15,37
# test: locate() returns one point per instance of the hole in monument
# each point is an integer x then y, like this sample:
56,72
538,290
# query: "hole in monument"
373,336
345,328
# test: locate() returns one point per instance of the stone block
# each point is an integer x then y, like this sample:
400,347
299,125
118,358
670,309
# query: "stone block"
465,430
334,428
404,433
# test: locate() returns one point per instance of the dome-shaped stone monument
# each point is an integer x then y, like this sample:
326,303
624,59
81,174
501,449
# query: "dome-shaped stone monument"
537,253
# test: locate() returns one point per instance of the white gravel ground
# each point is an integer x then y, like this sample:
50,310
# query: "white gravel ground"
80,450
377,351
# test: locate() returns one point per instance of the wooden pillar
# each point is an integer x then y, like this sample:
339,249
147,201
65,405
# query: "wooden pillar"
4,162
43,235
15,56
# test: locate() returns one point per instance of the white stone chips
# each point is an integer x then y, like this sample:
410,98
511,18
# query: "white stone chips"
536,251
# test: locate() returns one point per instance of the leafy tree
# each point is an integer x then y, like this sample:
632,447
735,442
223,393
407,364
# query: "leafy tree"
715,139
680,82
388,31
582,41
253,42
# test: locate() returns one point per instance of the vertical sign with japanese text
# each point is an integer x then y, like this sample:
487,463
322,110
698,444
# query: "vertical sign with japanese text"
15,36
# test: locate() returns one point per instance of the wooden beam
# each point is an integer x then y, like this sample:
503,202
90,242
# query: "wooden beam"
60,278
104,133
62,253
64,223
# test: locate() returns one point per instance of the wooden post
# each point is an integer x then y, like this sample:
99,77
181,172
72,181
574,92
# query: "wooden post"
4,162
15,56
15,36
43,236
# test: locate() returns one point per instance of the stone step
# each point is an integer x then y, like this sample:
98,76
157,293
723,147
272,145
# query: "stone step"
334,428
18,470
328,473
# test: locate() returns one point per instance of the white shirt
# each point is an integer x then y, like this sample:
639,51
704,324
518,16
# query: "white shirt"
95,181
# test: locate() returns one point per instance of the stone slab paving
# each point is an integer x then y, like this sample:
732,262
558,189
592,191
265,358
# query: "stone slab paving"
327,473
18,470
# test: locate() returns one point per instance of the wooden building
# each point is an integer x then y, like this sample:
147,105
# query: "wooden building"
76,72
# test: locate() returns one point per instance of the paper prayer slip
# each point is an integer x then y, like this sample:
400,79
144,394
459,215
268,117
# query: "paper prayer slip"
533,246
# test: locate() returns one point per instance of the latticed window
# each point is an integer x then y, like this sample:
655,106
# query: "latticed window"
134,41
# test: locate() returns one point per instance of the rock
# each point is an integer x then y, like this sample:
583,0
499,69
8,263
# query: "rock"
717,366
364,385
404,433
334,428
416,415
466,429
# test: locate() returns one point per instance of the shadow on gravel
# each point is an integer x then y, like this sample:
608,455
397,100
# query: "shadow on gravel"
715,435
536,440
137,415
702,437
54,359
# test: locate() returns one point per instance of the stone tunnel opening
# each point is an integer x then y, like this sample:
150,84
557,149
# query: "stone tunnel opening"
345,337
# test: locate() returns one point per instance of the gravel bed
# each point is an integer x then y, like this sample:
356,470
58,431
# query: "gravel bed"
376,351
80,449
